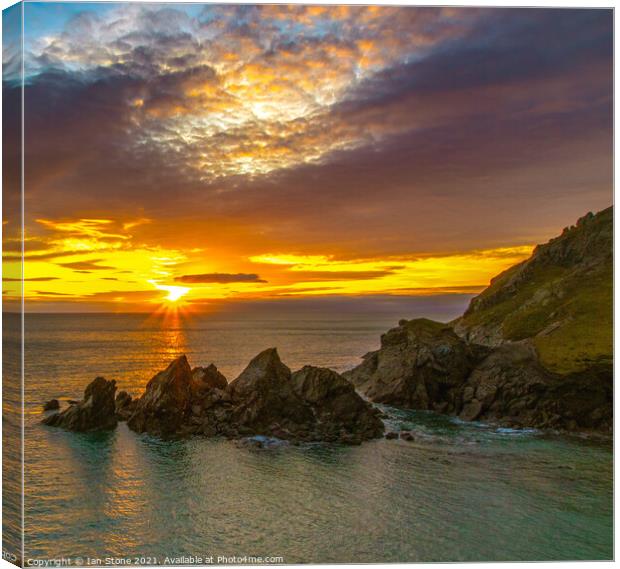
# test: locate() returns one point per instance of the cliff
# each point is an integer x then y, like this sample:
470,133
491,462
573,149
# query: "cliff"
561,299
533,349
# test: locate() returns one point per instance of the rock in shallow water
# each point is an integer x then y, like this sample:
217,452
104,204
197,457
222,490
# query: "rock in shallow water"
263,398
124,405
51,405
314,404
335,404
165,405
424,365
95,412
420,365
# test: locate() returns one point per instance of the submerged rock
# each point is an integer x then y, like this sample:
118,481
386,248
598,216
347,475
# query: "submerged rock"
95,412
262,442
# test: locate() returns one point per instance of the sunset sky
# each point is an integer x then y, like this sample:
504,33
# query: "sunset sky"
212,153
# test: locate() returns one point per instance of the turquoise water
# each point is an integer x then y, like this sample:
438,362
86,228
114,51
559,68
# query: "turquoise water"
459,492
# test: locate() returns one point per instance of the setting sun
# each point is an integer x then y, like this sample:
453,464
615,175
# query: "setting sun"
174,292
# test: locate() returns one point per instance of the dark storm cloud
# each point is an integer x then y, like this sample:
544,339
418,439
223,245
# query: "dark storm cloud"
506,47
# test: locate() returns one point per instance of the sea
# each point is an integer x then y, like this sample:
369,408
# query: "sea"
460,492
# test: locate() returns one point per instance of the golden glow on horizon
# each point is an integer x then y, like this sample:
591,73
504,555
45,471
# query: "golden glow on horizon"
96,262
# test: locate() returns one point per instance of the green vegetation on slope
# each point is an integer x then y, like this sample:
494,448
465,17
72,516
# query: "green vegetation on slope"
561,298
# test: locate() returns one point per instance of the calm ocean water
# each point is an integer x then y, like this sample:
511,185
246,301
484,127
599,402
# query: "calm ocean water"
460,492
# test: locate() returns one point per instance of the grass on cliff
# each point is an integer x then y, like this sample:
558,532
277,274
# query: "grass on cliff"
587,337
578,320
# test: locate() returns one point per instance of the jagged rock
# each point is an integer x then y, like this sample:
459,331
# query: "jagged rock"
204,379
419,365
507,385
95,412
166,403
124,405
533,349
560,299
122,399
263,395
51,405
511,386
471,410
315,404
336,405
266,399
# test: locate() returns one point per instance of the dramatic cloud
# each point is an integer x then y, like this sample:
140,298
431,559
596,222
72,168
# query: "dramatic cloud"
183,143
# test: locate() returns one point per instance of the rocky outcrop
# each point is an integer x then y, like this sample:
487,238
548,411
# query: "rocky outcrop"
510,386
339,412
124,405
560,299
264,400
165,405
314,404
425,365
51,405
95,412
421,365
533,349
206,378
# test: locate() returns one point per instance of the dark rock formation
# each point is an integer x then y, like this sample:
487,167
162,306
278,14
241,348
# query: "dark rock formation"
533,349
165,405
338,410
95,412
510,386
426,366
420,365
125,406
264,398
315,404
51,405
206,378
